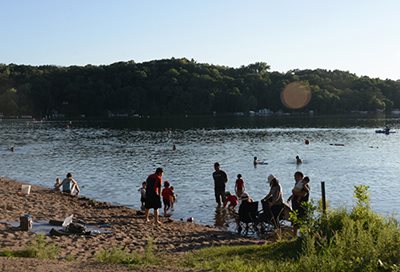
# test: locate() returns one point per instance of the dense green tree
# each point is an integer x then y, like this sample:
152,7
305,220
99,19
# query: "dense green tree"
181,86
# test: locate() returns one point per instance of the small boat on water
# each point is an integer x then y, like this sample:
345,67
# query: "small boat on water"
385,130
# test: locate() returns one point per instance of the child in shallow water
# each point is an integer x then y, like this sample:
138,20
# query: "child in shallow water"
167,195
142,191
57,185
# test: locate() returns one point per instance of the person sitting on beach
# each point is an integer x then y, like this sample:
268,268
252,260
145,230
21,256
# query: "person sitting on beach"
167,195
67,188
245,197
231,199
142,191
273,201
239,186
298,160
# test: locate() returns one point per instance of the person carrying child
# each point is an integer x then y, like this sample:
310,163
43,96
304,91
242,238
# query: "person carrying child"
300,189
167,195
303,197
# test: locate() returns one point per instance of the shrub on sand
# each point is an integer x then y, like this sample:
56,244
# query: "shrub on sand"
37,248
120,256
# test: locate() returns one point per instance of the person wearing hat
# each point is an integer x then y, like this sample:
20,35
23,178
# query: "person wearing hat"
153,194
273,201
220,180
245,198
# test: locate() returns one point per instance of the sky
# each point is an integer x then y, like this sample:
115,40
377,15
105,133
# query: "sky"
359,36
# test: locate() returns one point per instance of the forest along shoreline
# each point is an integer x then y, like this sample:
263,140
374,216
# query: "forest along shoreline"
126,228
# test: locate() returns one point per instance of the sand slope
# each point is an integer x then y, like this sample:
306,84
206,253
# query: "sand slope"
129,231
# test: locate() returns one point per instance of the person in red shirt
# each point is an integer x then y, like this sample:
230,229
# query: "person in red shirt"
231,199
167,195
153,194
239,186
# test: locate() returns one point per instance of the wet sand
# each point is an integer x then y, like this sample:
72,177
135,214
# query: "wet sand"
129,230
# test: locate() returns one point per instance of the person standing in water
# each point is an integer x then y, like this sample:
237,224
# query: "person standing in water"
220,180
153,194
239,186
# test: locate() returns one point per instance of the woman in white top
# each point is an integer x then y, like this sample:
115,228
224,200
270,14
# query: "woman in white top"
273,201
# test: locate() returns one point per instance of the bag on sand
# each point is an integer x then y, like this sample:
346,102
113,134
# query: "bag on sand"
76,228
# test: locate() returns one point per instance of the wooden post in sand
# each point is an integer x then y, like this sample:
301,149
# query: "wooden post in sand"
323,197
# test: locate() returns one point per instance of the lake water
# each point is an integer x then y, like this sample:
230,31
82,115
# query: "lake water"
111,159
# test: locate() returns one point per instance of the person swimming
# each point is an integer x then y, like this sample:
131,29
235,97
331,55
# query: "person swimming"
256,161
298,160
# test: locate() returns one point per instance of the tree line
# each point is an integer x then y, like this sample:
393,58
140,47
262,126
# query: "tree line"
182,86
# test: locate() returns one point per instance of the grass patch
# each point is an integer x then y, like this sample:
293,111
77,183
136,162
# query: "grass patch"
37,248
340,240
268,257
120,256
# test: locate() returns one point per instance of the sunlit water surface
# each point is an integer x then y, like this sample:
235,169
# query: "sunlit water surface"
110,162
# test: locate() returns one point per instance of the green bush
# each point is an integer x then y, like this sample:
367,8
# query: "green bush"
38,248
338,240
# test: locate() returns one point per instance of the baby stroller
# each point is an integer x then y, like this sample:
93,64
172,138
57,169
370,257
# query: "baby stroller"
273,217
248,217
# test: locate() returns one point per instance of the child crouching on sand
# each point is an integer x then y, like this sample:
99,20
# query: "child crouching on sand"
167,195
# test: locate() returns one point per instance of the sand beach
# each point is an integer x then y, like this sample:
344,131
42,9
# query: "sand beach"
125,227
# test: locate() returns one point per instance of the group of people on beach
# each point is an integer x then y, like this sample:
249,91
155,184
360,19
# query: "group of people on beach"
273,201
151,195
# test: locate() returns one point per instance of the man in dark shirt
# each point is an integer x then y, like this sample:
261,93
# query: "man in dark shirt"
220,179
153,194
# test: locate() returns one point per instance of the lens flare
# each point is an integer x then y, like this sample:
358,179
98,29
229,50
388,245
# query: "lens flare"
296,95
